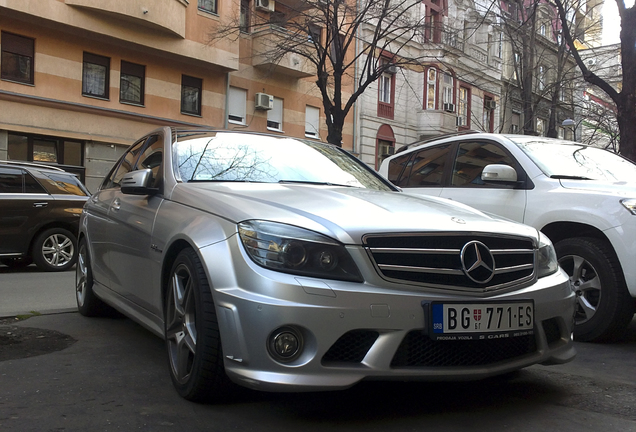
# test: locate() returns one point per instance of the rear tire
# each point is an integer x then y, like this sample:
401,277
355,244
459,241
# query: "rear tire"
55,250
193,341
604,306
88,304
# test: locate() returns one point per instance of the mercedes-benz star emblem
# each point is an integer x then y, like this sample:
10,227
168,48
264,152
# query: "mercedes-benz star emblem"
477,262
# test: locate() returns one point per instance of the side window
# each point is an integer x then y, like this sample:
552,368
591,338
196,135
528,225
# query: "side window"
10,180
427,167
63,184
124,166
152,157
397,173
31,185
471,159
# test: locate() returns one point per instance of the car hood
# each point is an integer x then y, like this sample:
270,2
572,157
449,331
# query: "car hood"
343,213
622,188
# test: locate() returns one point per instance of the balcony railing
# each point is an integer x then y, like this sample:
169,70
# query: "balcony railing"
268,52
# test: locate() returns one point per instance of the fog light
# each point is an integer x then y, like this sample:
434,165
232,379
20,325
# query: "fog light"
285,344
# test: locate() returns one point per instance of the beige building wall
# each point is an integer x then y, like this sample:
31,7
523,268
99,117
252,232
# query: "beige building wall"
170,38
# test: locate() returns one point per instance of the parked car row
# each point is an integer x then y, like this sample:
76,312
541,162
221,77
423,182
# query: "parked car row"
284,264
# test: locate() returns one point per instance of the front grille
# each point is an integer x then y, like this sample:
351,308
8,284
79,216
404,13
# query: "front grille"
351,347
418,350
436,259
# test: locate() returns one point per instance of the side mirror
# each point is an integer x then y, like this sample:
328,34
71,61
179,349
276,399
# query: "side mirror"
138,183
499,173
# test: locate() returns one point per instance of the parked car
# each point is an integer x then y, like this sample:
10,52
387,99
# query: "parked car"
283,264
583,198
40,209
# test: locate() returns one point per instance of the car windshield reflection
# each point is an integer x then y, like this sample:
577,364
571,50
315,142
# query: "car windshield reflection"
237,157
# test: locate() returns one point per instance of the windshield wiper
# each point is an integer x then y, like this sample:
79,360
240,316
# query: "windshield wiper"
313,183
569,177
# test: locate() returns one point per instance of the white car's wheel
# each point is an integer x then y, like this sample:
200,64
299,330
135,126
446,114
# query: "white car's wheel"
604,306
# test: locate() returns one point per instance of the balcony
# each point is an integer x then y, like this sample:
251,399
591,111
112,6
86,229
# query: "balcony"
168,16
435,122
266,43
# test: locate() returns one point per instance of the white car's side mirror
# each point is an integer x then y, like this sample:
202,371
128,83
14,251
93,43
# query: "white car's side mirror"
499,173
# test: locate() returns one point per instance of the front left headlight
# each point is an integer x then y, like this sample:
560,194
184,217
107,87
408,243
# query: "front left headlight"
547,263
290,249
629,204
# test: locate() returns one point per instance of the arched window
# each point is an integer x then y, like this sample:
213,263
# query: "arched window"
385,144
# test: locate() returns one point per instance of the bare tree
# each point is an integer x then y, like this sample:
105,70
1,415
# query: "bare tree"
625,99
351,44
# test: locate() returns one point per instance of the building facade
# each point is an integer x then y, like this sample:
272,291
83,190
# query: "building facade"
82,79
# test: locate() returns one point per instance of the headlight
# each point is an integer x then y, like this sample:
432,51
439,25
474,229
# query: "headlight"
629,204
547,260
294,250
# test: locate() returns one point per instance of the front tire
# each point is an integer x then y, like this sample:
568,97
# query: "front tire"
604,307
88,304
193,341
55,250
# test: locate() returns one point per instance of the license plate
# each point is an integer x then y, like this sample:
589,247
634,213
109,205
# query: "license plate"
467,321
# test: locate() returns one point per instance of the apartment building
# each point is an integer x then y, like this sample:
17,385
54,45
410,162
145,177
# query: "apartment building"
82,79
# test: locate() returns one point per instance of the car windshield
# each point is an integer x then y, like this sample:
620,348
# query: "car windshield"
566,159
240,157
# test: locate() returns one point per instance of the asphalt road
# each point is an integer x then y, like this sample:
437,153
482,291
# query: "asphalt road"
115,378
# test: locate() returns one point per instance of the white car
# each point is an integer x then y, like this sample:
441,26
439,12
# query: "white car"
583,198
283,264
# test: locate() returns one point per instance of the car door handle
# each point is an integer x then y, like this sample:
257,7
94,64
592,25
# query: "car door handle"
116,204
40,204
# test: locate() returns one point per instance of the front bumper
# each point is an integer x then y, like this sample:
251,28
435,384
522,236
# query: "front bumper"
366,331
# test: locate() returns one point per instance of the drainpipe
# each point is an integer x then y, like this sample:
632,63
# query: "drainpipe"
227,100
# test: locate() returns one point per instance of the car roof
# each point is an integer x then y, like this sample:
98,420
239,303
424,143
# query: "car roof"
33,165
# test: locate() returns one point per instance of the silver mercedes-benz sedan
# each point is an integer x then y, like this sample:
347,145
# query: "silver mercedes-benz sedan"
281,264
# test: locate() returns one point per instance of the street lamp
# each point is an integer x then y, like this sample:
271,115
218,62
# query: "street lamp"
569,123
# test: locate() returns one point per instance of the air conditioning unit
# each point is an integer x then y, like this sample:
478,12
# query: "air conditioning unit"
265,5
264,101
490,104
459,121
449,107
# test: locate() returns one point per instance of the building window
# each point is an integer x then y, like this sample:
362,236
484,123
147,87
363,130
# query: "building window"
131,83
448,87
431,88
489,118
541,127
312,122
237,109
47,150
275,116
386,92
314,33
463,108
515,123
434,9
541,78
244,19
191,95
95,76
17,58
207,5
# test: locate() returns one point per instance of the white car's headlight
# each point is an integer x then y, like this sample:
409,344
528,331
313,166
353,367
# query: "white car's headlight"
295,250
547,263
629,204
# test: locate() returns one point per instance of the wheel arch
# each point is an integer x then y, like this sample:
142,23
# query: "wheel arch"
169,258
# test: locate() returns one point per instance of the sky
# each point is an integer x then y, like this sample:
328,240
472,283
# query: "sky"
612,22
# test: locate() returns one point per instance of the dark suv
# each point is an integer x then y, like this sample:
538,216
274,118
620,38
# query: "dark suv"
40,208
